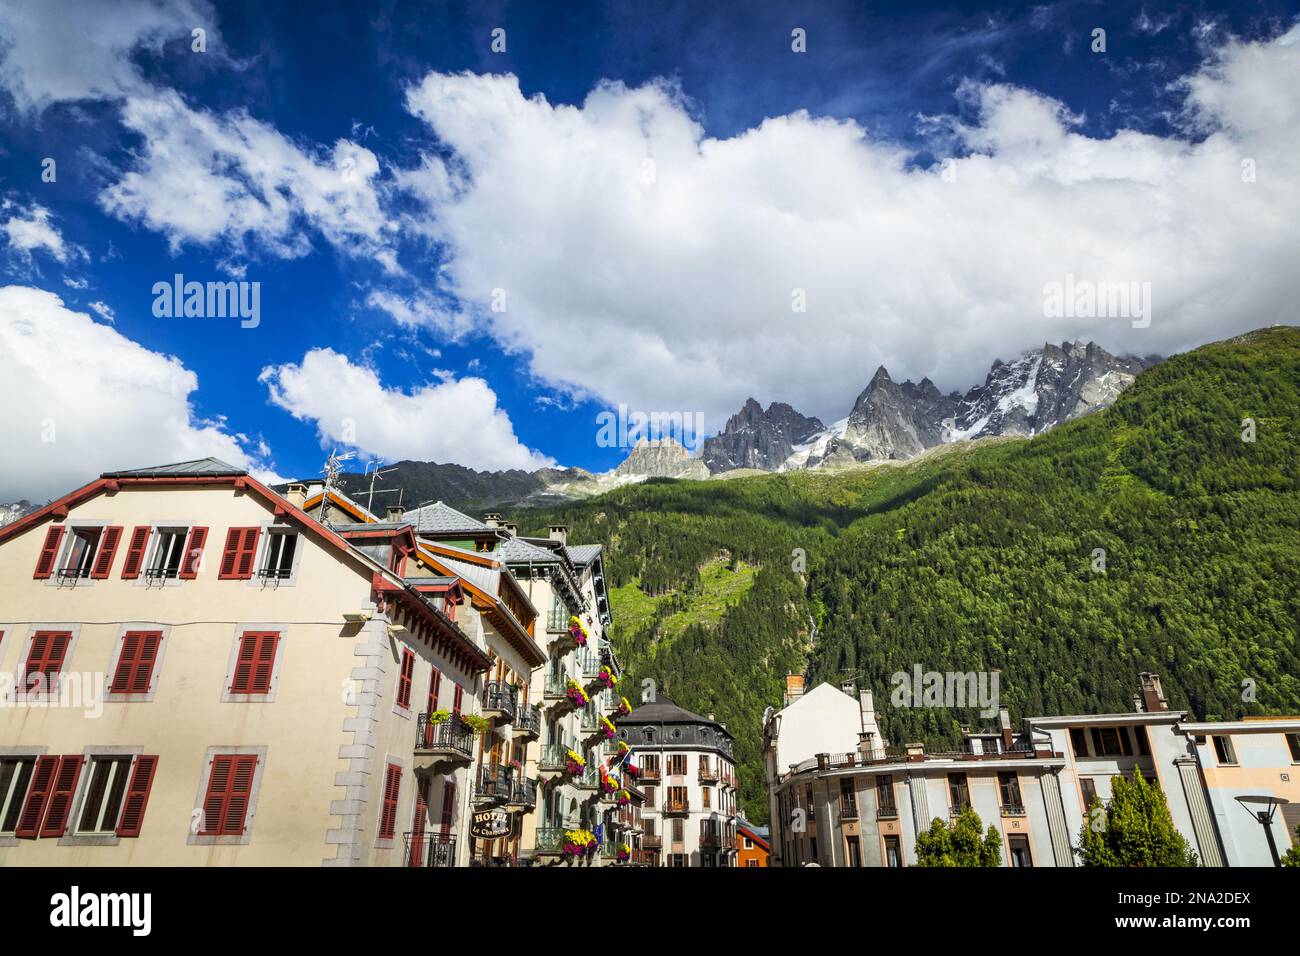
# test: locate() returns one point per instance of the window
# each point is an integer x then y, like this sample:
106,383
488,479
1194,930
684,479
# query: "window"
256,662
45,661
135,662
1144,745
1293,741
239,554
388,813
168,553
448,805
679,831
749,844
1009,790
1089,791
229,794
1079,741
105,793
848,799
15,775
1223,749
81,553
958,792
677,765
277,563
404,678
1106,742
1019,847
885,796
893,852
751,863
855,851
707,793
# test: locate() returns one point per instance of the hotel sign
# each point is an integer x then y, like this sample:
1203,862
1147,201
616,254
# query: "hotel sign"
490,825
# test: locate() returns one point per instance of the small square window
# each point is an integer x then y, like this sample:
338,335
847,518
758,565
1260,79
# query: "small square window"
1224,750
168,552
277,561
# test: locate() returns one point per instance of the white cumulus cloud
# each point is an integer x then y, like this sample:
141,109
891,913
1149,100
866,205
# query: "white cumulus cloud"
453,420
78,398
646,262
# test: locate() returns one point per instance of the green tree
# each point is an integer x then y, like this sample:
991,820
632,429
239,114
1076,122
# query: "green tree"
1134,829
1292,856
959,844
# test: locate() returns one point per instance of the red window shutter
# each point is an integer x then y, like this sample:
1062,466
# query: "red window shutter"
193,554
457,699
255,663
136,662
49,552
38,798
404,678
45,659
392,790
137,796
448,805
135,552
230,786
241,551
435,682
107,552
65,785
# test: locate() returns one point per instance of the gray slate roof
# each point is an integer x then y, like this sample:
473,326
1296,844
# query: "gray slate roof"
583,554
439,518
519,551
664,711
199,468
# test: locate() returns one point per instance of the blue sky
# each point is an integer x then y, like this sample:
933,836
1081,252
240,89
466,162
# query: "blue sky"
376,170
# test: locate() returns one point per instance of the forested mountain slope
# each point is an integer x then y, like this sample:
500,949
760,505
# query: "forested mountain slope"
986,558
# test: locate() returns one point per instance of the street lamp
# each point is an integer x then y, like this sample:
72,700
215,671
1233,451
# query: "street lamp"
1264,817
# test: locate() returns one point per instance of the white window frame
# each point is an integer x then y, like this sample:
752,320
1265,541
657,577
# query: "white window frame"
65,553
17,753
74,836
143,580
269,529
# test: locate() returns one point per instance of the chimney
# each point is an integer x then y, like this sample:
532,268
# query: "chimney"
560,533
1004,722
1153,695
511,528
492,519
396,513
296,494
870,743
793,688
849,688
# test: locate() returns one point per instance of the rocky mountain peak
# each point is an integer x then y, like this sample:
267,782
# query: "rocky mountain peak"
754,438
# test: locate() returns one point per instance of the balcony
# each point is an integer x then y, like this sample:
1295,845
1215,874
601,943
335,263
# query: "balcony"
528,722
711,839
492,784
849,810
588,663
429,848
523,794
644,857
500,701
555,691
446,743
676,808
649,774
708,773
652,841
1013,810
550,841
553,761
590,779
557,621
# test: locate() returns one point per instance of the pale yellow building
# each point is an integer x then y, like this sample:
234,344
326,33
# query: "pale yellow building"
198,672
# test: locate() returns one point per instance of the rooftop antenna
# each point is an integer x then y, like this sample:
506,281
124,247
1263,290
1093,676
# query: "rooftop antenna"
333,468
375,463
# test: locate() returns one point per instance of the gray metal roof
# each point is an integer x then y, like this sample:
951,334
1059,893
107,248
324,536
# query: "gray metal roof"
199,468
583,554
346,526
439,518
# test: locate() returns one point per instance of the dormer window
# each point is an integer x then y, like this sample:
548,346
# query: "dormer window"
277,563
168,553
81,554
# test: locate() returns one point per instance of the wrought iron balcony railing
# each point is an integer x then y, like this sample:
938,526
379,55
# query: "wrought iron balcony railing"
549,841
450,736
556,686
430,848
492,783
528,722
500,700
